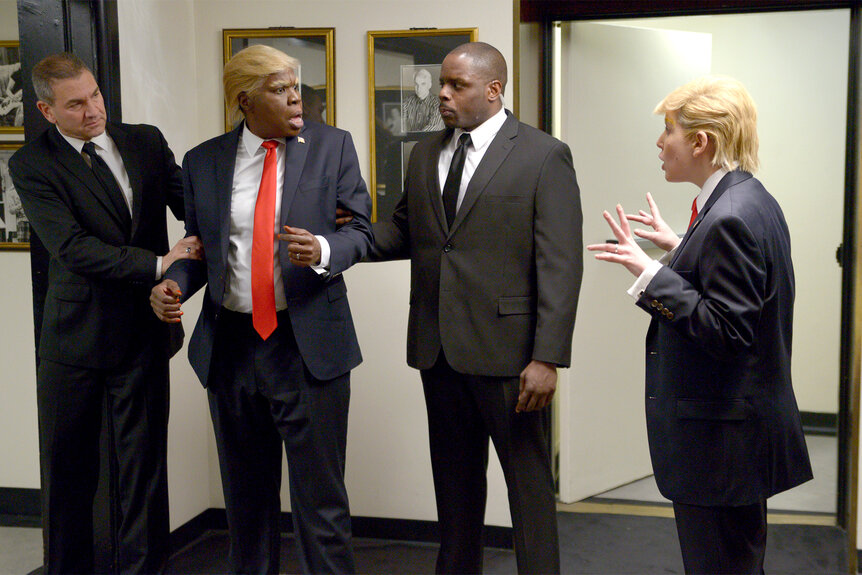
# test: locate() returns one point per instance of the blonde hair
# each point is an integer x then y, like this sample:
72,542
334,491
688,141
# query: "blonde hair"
723,109
247,71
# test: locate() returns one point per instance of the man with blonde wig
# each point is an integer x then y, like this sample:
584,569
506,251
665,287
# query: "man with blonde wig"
275,343
723,424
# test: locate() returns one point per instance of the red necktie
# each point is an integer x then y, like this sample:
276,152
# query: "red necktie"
693,212
262,287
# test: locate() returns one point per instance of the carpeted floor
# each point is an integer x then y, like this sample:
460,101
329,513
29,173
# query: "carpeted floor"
590,543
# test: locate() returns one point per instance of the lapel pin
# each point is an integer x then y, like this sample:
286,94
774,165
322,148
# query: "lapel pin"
301,140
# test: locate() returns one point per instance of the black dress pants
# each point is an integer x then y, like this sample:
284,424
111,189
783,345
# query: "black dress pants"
720,540
261,396
71,401
464,411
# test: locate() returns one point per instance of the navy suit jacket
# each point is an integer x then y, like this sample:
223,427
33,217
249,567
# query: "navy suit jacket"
722,419
321,173
102,263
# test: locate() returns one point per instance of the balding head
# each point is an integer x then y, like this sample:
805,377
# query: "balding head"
486,61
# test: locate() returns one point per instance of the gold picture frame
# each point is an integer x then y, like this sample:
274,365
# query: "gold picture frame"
14,225
401,63
313,47
11,89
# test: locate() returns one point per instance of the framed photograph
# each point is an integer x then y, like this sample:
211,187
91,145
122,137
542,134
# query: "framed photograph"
403,83
11,90
14,226
315,50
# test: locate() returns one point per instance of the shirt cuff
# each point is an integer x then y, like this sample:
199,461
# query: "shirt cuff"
323,267
159,273
643,280
665,259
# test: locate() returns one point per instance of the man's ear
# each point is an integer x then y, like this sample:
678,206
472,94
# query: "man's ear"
244,102
47,111
700,143
494,90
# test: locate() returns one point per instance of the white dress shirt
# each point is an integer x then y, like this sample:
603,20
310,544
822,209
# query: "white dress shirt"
481,137
107,150
246,183
654,266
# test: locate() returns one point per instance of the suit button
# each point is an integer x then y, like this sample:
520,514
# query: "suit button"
447,248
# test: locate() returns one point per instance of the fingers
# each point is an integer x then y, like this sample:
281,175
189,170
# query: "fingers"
303,248
165,301
653,208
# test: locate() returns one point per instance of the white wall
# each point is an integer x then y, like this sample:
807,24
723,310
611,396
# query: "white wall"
19,443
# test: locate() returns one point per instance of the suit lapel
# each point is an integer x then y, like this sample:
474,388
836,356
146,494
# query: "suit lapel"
498,151
432,177
134,166
296,150
225,162
75,164
729,179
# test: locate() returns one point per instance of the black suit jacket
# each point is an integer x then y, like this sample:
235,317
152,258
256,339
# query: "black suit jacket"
102,266
321,173
499,288
722,419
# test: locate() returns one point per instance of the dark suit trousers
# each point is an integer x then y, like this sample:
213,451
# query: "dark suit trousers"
261,395
463,412
70,403
717,540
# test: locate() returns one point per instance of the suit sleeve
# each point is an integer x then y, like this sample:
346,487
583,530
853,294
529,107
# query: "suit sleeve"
558,239
173,180
392,238
53,217
350,242
721,314
190,275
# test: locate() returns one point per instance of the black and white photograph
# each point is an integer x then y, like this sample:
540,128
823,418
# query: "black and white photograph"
420,106
11,84
315,50
404,80
14,227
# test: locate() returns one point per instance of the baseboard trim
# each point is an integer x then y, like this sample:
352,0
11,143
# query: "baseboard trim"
363,527
814,423
19,507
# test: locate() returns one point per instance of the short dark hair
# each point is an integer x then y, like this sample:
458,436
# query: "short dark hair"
55,67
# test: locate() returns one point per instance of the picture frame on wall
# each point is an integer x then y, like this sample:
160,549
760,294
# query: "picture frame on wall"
11,91
315,50
14,225
403,83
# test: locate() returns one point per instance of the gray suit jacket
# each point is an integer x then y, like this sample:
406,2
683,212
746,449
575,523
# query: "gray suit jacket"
499,288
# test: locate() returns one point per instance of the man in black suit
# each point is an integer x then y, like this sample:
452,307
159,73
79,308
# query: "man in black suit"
275,355
96,195
496,262
723,424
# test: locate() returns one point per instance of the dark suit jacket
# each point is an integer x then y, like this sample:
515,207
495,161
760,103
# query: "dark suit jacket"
321,172
723,424
101,267
501,287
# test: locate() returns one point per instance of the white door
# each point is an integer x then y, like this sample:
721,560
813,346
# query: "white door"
613,76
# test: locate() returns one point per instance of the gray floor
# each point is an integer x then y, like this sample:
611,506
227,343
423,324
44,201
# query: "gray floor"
816,496
21,547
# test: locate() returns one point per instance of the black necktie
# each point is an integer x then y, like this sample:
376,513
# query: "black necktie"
106,177
453,180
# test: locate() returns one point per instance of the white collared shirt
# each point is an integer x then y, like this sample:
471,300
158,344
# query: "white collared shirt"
481,137
654,266
246,183
108,151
